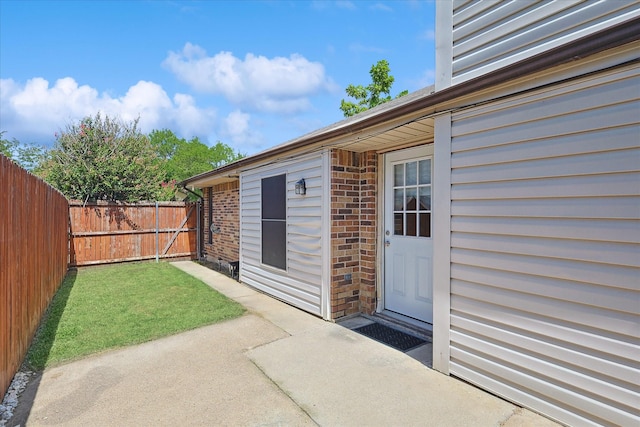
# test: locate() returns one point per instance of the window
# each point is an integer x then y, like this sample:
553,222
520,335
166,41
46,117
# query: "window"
274,222
412,198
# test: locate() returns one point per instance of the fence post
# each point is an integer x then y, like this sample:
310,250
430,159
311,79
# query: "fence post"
157,232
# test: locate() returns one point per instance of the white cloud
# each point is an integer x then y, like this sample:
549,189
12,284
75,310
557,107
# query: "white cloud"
342,4
280,85
428,35
427,79
382,7
357,47
320,4
190,120
38,110
236,130
339,4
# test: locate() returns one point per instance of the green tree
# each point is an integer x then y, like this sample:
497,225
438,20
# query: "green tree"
6,146
27,155
183,159
31,157
373,94
104,159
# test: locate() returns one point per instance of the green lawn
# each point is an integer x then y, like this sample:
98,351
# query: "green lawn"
106,307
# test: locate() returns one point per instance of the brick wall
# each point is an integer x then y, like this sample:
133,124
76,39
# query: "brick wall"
353,232
368,230
225,205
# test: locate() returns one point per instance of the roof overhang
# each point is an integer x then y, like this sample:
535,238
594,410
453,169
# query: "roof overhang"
408,120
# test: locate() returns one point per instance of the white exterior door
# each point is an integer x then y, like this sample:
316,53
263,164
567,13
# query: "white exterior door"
408,246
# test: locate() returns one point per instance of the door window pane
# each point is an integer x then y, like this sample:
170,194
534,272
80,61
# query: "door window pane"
398,224
425,171
411,224
425,225
412,173
411,199
398,175
398,199
425,198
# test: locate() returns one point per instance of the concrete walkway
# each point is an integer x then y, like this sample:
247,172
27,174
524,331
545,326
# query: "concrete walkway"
274,366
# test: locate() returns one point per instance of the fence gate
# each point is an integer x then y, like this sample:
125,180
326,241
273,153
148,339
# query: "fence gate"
106,232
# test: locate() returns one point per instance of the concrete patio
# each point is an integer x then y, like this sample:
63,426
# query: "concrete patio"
276,365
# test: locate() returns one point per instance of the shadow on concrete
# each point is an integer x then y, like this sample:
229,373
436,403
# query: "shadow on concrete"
42,343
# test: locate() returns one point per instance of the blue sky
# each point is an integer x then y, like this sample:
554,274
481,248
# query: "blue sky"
251,74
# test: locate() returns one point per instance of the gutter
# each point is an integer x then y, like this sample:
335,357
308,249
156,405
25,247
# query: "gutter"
609,38
184,187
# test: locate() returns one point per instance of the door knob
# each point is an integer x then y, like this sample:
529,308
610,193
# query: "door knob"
387,243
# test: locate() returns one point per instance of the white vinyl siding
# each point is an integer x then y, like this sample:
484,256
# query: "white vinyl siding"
488,35
301,283
545,248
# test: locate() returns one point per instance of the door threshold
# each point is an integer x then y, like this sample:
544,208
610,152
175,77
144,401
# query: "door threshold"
411,325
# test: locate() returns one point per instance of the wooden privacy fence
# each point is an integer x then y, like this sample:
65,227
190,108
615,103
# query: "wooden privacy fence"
33,259
41,234
105,232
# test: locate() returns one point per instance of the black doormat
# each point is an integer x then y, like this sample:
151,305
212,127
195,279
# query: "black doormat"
389,336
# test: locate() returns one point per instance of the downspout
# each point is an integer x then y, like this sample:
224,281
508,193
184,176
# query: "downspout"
198,219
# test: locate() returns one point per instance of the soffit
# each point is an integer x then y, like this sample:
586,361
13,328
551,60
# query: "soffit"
399,136
210,181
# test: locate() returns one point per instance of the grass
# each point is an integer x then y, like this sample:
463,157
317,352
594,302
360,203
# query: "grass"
107,307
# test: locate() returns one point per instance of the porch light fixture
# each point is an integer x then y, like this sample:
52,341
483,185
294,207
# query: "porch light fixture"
301,187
